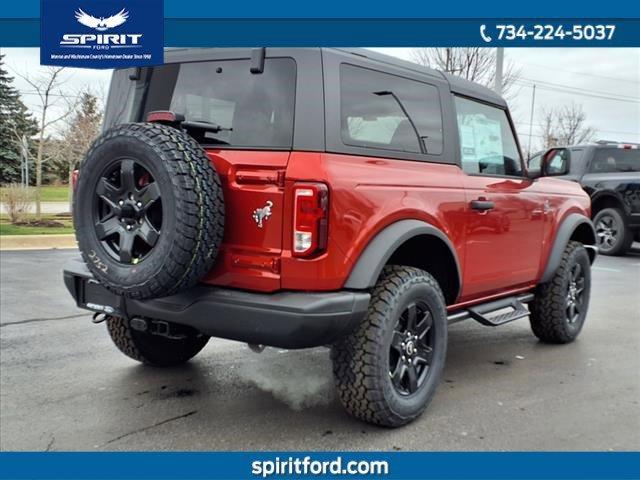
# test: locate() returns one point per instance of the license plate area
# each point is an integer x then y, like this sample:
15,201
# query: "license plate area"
97,298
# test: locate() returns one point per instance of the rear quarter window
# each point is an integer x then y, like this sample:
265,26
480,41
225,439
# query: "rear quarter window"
388,112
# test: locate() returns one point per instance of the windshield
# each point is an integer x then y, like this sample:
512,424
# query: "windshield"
609,160
252,110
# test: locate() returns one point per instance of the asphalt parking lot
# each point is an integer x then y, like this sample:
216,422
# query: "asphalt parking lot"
64,386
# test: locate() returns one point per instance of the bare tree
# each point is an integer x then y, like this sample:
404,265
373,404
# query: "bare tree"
547,129
47,85
471,63
565,125
80,130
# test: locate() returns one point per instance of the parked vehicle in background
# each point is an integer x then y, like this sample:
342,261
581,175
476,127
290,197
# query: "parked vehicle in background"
309,197
610,173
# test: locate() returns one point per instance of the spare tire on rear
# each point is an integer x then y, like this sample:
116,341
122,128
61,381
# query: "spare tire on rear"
148,210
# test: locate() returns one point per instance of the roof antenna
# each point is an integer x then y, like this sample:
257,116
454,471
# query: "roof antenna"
135,75
257,60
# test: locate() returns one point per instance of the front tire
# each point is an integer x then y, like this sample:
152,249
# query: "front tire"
387,370
613,235
152,349
560,307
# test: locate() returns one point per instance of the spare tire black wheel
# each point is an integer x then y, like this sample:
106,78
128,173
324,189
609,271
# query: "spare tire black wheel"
148,210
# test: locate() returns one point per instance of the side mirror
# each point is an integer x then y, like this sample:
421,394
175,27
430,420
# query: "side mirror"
555,162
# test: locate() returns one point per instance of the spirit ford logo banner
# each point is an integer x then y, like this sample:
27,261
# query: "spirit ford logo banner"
101,34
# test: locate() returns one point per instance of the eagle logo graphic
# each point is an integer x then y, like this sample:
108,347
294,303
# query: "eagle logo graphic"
101,24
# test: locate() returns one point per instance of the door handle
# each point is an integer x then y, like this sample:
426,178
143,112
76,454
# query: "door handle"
482,205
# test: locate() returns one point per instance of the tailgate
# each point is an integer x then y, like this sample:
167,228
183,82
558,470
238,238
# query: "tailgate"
253,186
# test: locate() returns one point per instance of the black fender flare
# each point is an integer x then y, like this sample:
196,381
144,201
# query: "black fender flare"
367,269
616,196
565,232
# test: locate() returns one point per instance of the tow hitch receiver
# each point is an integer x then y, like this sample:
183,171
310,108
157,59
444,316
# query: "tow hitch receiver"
155,327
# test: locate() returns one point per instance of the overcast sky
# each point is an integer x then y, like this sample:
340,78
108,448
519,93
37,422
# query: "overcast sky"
605,81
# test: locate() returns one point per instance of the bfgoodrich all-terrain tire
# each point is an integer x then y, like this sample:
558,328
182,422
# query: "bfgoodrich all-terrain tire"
148,210
613,235
387,370
155,349
560,306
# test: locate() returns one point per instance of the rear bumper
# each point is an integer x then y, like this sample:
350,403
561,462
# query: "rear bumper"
284,319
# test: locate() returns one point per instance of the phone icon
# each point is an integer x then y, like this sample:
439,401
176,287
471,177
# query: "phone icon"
484,36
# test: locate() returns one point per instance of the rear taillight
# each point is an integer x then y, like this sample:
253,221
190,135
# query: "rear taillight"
74,179
310,218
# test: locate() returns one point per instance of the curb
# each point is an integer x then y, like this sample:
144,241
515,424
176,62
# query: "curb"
37,242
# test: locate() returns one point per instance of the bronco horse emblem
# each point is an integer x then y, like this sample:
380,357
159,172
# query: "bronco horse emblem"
261,214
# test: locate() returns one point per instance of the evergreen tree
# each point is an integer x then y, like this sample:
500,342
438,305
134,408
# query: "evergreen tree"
15,121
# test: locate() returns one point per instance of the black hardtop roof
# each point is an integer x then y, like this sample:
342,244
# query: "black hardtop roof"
457,84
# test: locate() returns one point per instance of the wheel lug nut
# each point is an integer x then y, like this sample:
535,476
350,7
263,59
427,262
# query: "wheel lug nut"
404,359
121,202
139,204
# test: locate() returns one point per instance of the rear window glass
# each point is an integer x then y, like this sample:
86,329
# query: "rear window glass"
609,160
253,110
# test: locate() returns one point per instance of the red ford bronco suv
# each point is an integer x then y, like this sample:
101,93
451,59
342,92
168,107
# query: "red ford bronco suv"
309,197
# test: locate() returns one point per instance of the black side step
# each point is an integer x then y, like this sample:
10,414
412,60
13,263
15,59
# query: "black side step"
482,313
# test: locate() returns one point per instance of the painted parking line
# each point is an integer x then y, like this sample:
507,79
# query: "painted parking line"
606,269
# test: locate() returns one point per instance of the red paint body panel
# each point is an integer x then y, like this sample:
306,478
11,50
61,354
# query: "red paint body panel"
503,244
500,251
366,195
249,257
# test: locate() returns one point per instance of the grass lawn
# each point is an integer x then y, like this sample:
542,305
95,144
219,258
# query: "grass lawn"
6,228
52,193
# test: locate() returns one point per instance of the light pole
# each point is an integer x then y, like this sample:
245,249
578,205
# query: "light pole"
533,102
499,66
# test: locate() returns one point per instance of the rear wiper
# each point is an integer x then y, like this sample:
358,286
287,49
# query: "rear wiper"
204,125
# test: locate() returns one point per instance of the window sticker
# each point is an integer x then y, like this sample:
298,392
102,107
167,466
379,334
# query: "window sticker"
480,137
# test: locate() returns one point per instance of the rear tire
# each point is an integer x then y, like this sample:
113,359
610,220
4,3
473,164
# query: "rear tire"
374,383
560,306
152,349
613,235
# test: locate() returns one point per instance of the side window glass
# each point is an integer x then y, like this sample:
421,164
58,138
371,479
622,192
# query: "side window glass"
615,159
384,111
577,160
535,163
487,144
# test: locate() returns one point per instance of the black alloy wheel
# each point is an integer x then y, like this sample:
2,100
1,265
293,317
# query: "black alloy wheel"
411,349
127,212
575,293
